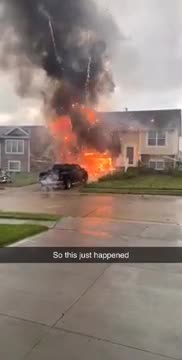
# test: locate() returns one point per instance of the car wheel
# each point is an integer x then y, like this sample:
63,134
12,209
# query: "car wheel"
67,184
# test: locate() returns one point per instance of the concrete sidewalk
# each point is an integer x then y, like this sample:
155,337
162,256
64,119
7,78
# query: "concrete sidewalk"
93,311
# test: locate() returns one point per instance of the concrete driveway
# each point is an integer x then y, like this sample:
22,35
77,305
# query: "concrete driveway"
94,311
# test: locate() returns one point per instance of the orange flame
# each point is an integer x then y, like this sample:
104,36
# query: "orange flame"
97,164
90,115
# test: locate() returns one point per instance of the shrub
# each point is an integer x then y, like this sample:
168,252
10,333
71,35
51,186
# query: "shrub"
172,172
147,171
176,172
131,172
116,175
168,172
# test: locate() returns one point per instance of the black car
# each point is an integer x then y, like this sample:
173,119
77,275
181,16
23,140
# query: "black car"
63,175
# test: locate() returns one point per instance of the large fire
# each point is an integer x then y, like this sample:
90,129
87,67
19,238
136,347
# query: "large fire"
96,163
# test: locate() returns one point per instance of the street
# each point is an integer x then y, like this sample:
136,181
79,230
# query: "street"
94,311
72,203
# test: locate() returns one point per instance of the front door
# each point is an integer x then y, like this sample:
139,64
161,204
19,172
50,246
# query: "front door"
130,155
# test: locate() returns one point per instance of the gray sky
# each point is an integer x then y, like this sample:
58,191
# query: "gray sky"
147,65
149,68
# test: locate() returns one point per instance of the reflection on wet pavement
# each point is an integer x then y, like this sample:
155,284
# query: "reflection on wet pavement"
139,208
94,311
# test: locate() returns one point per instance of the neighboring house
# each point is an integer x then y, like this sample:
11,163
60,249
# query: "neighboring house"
15,149
151,137
24,149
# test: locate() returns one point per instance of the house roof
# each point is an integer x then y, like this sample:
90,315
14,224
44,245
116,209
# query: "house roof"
142,120
123,120
3,129
6,130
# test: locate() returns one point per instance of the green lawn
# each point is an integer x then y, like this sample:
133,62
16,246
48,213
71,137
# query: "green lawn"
28,216
11,233
139,184
23,179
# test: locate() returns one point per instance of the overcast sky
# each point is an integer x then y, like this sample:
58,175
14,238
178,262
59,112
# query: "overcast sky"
147,66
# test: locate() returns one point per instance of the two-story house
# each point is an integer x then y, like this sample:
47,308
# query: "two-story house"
24,149
152,137
15,149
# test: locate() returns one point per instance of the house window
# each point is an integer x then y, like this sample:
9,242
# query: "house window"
157,164
14,165
14,146
156,138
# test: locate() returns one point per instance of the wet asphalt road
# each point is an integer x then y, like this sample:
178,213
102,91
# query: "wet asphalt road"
72,203
94,311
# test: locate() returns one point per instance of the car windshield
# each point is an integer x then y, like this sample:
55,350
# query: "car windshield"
61,167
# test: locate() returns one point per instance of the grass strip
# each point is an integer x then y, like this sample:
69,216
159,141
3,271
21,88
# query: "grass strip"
10,234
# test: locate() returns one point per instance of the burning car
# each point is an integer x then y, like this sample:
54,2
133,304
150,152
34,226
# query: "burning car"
63,176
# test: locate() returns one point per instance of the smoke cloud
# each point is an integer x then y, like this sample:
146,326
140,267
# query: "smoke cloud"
62,42
64,38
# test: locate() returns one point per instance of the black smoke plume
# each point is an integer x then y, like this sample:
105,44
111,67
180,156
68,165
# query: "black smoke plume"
65,39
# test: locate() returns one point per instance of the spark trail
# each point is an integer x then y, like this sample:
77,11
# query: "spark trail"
88,78
46,14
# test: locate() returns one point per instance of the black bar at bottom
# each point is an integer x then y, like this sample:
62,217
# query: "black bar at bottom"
91,255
